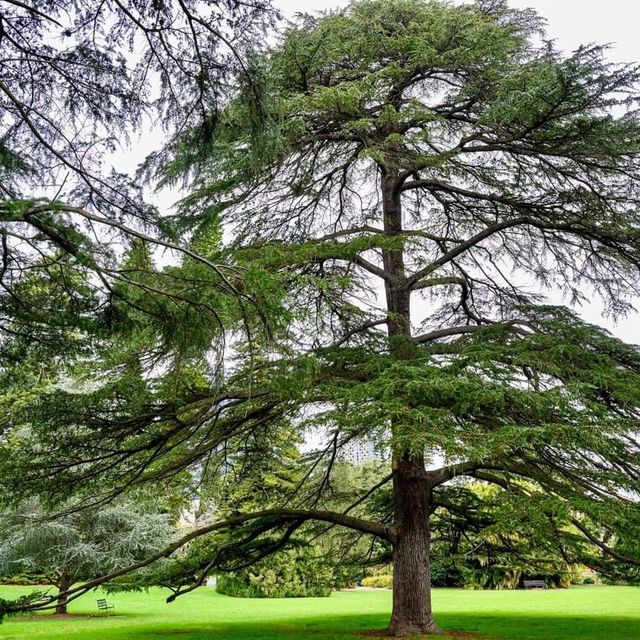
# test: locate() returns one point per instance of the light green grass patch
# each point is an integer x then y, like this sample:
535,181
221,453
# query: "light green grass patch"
583,613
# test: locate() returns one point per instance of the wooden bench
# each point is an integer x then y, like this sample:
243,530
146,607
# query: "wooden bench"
535,584
104,606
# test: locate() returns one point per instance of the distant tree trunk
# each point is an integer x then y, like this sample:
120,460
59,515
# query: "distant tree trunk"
64,583
411,578
412,612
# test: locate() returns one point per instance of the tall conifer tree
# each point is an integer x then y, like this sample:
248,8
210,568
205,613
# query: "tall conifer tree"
413,179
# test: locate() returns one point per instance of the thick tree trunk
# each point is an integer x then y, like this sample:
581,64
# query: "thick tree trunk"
64,583
411,579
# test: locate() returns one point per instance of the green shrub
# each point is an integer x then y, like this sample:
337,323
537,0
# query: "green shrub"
234,585
492,576
445,574
24,578
346,575
380,581
294,573
588,581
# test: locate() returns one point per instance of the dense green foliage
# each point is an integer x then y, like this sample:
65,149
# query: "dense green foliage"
78,82
79,545
294,573
495,554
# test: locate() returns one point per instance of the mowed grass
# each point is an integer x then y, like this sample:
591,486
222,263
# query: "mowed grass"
582,613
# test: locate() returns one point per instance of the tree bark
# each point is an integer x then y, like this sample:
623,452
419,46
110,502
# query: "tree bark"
412,613
64,583
411,578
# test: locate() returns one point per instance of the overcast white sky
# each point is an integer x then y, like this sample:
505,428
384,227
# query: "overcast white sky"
570,23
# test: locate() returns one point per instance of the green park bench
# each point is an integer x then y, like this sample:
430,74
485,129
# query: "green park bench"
104,606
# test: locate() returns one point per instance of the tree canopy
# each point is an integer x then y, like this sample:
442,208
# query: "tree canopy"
80,83
79,545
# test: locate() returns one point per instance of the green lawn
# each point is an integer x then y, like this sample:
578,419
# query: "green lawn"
583,613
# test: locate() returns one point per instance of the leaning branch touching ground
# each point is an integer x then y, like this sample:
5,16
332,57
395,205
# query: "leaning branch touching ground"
341,519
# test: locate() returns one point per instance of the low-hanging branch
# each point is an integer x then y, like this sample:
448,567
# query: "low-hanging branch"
385,532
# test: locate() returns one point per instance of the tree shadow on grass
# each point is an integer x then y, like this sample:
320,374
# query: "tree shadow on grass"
546,627
457,626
